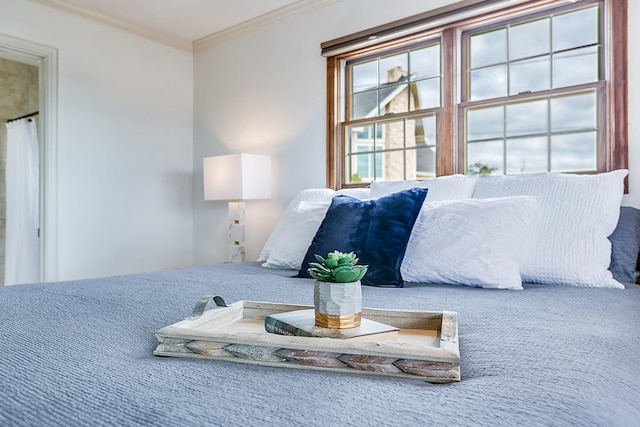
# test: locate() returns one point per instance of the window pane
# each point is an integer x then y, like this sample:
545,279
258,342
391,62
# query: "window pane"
529,39
530,75
379,165
485,158
393,68
425,165
575,67
393,169
351,174
363,162
411,162
574,112
574,29
425,62
411,134
359,136
360,167
574,152
364,104
364,76
394,99
429,125
394,135
425,130
488,83
488,48
527,155
428,94
379,134
485,123
527,118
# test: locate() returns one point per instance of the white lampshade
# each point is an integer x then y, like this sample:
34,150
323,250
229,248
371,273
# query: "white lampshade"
237,177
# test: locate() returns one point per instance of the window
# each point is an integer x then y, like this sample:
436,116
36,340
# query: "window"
532,87
545,73
405,85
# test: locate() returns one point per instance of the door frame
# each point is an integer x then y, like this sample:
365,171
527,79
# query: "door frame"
46,59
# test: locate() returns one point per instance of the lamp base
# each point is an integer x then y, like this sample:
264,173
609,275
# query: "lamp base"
236,253
236,232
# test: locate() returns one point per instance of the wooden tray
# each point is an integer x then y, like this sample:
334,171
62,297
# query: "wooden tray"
426,348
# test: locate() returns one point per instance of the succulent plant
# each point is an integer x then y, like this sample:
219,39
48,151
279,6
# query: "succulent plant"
338,267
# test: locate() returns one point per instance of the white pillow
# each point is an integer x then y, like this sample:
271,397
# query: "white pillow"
470,242
358,193
451,187
295,237
311,195
576,215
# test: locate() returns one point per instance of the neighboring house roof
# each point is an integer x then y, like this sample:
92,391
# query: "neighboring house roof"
368,105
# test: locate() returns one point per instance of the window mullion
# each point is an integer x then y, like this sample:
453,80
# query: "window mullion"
618,100
446,155
549,130
530,96
334,147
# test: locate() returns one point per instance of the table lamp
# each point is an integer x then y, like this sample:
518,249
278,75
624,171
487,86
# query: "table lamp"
237,177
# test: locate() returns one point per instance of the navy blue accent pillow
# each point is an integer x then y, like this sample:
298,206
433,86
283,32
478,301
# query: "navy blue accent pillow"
376,230
624,245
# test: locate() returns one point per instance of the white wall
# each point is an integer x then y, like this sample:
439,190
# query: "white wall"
125,132
265,93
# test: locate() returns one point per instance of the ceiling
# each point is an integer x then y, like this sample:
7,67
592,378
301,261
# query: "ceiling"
180,22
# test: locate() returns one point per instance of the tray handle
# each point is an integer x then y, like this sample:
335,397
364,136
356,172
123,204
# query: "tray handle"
202,304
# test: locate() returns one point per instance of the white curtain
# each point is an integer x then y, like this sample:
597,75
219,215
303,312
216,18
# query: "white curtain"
22,246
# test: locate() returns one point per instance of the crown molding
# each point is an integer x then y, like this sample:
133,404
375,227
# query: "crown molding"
105,19
298,8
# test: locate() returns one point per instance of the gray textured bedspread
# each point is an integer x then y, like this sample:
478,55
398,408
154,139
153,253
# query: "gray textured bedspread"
80,354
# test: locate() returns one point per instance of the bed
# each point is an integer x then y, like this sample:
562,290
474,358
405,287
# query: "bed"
81,353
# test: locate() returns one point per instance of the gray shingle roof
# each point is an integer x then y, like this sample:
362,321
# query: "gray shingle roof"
367,105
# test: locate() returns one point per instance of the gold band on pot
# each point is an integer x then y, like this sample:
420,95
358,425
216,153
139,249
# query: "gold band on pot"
337,321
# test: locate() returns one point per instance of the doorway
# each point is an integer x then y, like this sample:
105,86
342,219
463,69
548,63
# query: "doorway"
42,61
19,98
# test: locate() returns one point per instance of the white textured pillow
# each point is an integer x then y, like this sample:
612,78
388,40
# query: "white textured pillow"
470,242
451,187
295,238
358,193
576,215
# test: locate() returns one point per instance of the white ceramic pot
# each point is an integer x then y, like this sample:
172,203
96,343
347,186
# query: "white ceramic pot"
337,305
